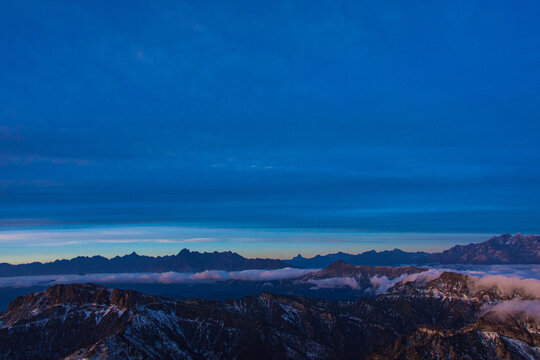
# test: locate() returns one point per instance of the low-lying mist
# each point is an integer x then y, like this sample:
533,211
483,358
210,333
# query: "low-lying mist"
155,278
517,281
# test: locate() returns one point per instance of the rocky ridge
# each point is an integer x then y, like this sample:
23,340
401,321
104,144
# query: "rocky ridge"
414,320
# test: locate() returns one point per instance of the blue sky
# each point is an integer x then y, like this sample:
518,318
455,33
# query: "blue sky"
307,117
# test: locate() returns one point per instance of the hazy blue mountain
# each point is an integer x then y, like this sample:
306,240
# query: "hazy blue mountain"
184,261
372,258
503,249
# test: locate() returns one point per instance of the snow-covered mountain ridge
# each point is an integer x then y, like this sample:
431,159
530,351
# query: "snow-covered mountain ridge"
450,315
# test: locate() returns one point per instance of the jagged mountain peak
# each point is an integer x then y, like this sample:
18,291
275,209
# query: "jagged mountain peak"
340,265
60,298
184,251
78,294
342,269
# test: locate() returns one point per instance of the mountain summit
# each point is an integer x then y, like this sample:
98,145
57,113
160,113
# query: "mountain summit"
342,269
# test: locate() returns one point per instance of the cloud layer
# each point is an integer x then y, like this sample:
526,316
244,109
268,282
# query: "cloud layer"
507,280
155,278
508,285
524,309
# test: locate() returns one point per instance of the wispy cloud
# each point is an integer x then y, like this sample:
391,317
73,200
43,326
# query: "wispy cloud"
198,240
508,285
163,241
512,308
521,271
58,243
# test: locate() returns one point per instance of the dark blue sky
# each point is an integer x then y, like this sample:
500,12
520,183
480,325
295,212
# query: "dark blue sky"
367,116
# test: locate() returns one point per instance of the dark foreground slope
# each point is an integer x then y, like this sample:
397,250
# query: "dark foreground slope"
442,317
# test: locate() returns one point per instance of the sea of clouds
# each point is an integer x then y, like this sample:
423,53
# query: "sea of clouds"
170,277
506,278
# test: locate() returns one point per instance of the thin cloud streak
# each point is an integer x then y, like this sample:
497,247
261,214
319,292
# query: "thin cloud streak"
163,241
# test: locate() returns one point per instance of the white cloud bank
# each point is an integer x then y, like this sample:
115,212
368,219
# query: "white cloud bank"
511,279
520,271
527,309
155,278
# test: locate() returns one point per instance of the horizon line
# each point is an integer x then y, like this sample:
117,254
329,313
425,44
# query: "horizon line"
52,260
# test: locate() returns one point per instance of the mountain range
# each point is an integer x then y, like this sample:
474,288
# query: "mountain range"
369,258
503,249
448,317
184,261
